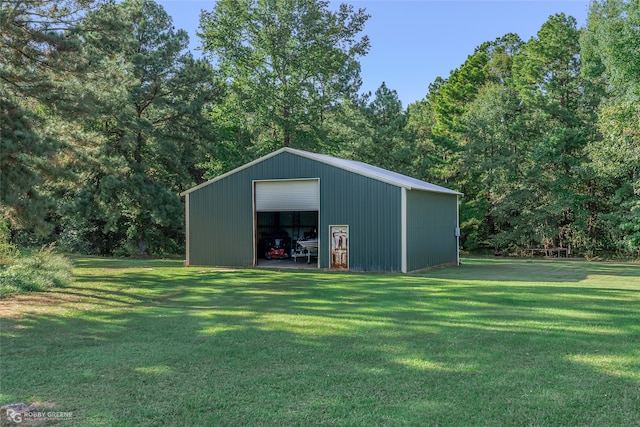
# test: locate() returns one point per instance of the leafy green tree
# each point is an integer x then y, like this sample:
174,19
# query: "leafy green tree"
232,134
610,46
451,131
287,62
615,163
493,165
547,76
347,127
490,62
382,140
155,133
429,156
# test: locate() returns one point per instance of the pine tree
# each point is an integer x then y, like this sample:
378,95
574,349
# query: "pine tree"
44,97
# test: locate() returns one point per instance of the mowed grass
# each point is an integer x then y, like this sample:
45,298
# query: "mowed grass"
495,342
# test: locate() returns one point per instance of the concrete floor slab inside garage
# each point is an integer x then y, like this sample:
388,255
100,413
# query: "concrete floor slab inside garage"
299,264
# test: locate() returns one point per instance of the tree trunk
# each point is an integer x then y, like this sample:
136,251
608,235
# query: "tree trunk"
287,127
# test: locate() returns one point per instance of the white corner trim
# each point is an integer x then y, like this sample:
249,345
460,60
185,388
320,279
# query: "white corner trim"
187,228
457,229
403,227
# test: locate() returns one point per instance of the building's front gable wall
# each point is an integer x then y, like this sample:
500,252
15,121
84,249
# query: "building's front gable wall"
431,226
220,224
221,214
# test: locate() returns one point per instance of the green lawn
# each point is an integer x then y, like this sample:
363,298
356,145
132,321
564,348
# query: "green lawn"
495,342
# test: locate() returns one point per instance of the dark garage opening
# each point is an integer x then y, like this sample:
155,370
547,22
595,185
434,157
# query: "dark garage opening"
287,239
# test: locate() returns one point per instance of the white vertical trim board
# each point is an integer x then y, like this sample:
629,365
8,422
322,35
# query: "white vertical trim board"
254,220
187,229
318,230
457,232
403,228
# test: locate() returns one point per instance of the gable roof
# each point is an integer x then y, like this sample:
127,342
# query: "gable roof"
354,166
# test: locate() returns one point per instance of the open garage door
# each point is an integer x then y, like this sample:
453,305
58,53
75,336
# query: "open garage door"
286,222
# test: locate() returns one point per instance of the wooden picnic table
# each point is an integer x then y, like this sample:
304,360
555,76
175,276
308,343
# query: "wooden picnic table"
549,252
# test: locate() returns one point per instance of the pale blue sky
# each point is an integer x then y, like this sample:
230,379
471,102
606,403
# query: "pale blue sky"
413,42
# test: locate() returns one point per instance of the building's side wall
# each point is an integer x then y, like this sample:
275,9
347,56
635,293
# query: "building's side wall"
431,224
221,215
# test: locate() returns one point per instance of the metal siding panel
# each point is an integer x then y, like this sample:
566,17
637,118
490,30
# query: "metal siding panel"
431,223
372,211
221,224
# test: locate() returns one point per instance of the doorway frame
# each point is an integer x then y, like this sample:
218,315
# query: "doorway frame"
331,246
255,214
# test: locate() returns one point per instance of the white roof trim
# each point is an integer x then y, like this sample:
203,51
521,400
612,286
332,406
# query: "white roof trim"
356,167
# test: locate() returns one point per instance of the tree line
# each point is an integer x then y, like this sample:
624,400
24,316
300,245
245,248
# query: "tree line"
106,116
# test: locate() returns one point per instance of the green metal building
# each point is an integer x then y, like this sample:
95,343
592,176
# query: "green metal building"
359,217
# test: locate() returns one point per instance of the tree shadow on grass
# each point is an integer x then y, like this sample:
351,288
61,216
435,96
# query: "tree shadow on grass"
268,348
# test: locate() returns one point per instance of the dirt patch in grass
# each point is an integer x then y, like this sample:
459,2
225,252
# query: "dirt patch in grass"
18,306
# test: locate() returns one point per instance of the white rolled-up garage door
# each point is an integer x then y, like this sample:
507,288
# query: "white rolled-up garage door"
287,195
